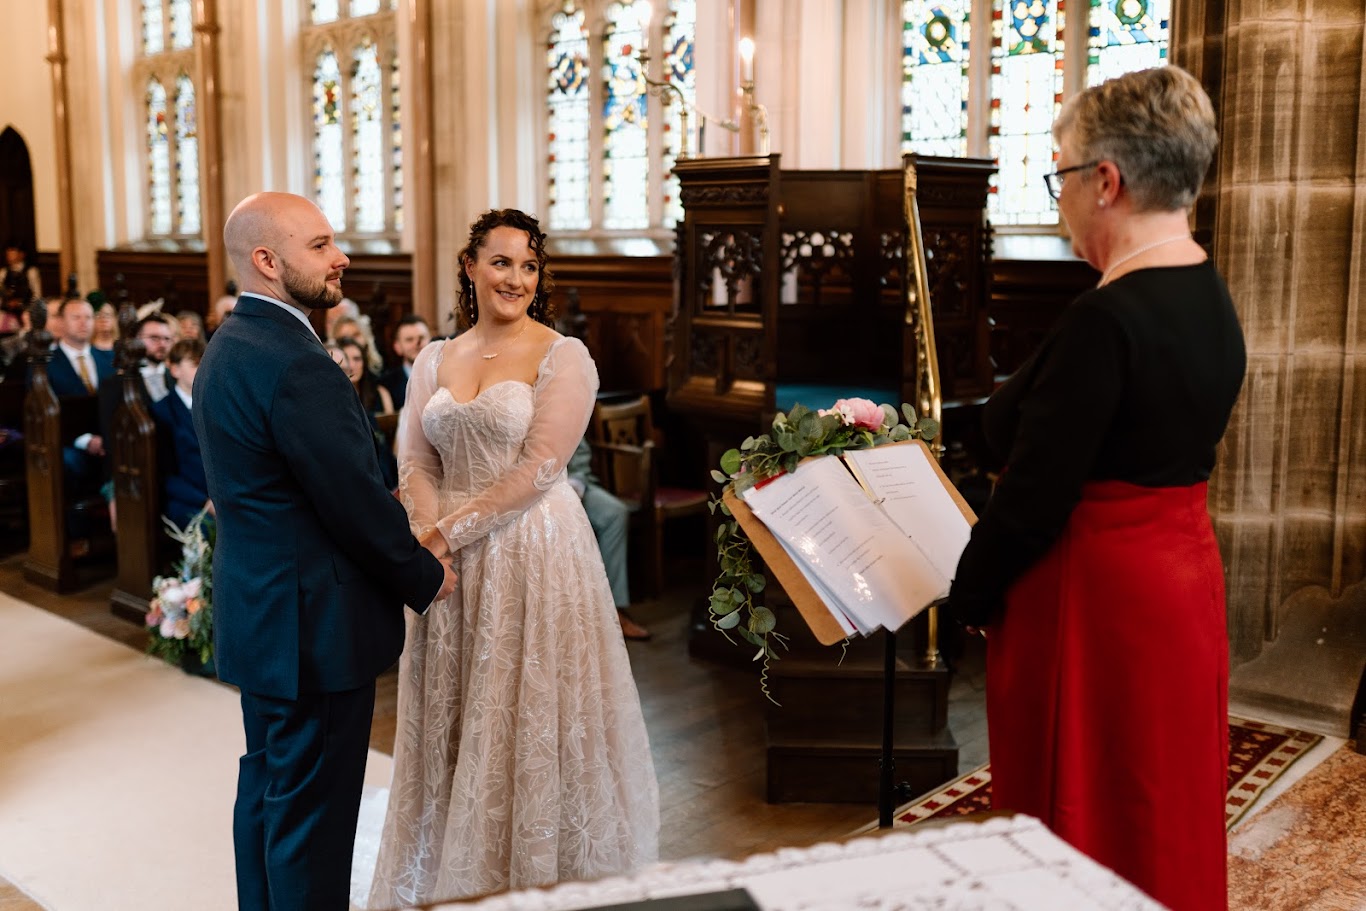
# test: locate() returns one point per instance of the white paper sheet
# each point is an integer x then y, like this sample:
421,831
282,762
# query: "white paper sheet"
903,479
878,576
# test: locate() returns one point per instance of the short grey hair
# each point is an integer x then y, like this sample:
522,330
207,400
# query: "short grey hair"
1157,125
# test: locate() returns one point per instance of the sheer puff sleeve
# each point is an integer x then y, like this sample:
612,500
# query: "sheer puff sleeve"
566,388
419,464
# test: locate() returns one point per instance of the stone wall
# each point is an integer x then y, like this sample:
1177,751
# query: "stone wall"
1285,209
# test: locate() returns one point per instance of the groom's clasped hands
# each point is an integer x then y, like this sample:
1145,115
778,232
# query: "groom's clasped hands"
436,543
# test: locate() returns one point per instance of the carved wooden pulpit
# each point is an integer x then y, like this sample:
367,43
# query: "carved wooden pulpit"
793,287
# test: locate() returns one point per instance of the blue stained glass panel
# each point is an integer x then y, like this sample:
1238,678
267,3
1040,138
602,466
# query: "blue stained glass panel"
158,160
1026,93
934,72
1126,35
569,116
680,30
328,142
625,165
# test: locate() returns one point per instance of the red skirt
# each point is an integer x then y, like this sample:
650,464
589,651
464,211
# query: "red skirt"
1107,692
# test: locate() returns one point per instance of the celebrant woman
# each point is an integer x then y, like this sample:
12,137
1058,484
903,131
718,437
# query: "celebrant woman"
521,757
1094,570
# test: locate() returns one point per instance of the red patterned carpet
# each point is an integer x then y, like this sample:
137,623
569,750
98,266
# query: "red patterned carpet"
1258,754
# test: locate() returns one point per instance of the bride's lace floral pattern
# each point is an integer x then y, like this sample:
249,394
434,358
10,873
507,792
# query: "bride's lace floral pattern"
521,757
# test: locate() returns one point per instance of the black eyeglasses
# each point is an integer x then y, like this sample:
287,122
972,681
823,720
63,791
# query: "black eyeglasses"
1054,181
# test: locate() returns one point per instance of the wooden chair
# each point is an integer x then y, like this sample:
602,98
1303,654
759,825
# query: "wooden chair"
624,439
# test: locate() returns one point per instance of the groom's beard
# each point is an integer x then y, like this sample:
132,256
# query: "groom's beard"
307,293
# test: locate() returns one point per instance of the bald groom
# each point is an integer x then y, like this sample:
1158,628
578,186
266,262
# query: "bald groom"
313,563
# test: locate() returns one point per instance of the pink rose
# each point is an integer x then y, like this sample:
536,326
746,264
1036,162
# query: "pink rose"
860,413
154,614
166,628
182,628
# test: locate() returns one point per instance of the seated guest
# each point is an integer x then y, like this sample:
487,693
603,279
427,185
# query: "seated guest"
358,328
106,331
191,325
376,400
20,275
411,336
77,370
610,518
154,331
222,307
184,490
347,309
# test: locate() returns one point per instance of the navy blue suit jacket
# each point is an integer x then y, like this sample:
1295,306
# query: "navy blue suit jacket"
183,486
66,382
314,560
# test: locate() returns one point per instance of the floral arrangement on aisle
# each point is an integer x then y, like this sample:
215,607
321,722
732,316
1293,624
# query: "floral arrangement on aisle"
180,617
849,424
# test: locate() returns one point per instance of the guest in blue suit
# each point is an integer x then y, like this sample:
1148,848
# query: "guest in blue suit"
184,491
314,559
77,369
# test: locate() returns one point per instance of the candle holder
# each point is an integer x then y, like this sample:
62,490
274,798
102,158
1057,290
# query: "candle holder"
660,88
758,112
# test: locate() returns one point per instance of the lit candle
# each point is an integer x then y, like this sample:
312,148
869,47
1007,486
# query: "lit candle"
643,13
746,59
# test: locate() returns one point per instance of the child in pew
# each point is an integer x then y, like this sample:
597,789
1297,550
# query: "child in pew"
184,489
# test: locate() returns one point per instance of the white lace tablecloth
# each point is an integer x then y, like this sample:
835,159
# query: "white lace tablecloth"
1000,863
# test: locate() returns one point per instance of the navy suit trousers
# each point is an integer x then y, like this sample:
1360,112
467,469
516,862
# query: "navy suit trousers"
298,796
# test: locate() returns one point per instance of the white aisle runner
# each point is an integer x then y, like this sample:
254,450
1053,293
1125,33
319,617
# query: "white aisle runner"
117,772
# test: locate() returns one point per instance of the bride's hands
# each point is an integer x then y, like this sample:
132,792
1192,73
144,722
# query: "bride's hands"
435,542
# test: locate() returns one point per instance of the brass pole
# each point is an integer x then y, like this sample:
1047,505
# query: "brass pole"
929,398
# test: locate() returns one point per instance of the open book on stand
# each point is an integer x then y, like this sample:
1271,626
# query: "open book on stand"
862,541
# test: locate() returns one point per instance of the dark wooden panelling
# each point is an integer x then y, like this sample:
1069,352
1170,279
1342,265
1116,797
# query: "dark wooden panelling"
179,275
625,293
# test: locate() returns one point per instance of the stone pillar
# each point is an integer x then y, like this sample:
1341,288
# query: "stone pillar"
1287,209
61,112
422,199
210,144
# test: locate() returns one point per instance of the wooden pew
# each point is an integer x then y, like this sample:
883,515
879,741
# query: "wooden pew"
57,558
144,548
13,473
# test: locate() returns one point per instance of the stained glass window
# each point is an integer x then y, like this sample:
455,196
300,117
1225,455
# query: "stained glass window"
1126,35
153,27
396,140
324,11
934,60
158,160
357,125
186,158
567,152
679,29
328,142
367,139
370,7
625,129
1026,92
182,24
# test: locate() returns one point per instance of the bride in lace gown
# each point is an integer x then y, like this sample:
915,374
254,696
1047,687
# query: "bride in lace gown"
521,757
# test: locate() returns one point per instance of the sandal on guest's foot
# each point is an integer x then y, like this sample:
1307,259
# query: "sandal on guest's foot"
632,630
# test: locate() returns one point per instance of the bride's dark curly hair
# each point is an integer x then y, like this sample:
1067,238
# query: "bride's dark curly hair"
540,309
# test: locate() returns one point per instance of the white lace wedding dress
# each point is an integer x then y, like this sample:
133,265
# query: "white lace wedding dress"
521,757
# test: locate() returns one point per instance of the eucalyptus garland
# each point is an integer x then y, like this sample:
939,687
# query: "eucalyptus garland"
850,424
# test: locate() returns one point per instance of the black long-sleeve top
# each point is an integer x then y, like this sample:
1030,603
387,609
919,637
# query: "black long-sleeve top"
1135,383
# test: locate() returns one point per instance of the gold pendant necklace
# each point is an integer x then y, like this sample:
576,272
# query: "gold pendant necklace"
479,336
